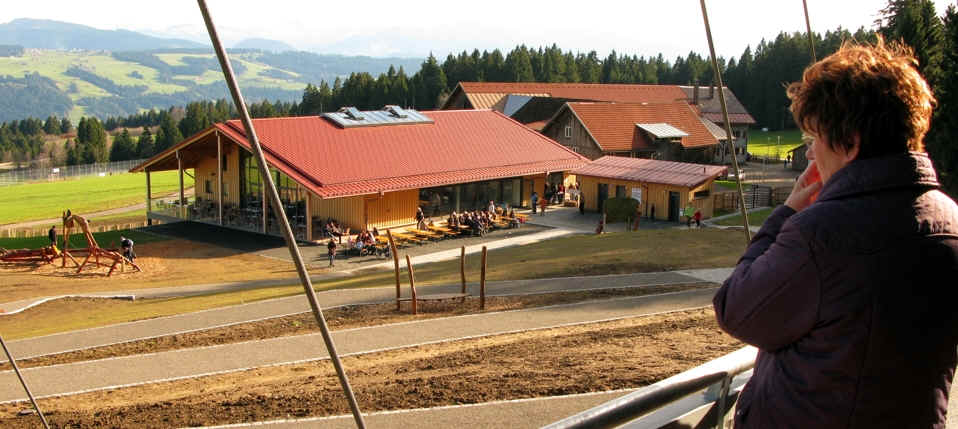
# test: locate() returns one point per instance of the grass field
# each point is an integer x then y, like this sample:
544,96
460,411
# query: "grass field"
768,144
756,218
46,200
613,253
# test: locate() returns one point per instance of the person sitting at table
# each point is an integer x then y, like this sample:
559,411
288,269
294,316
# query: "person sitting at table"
453,220
375,233
334,230
513,220
491,210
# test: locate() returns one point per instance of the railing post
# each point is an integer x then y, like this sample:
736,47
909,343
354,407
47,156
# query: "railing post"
723,394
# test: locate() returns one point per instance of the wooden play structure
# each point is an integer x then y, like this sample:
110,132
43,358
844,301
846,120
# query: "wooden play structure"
415,298
44,254
93,250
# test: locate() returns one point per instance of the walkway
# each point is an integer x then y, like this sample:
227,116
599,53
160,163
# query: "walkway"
188,363
150,328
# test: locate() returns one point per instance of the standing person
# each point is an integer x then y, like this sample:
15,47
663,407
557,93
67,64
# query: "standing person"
698,218
331,249
52,235
542,206
535,201
688,213
788,159
420,219
843,289
126,247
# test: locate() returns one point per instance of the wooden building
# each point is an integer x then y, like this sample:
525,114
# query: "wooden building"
665,131
363,169
663,188
706,101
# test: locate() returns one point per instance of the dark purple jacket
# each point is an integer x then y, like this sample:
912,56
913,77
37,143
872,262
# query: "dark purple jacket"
852,303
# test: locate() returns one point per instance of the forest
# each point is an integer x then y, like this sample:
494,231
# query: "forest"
757,77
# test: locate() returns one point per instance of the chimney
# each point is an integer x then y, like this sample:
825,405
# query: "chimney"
711,91
695,95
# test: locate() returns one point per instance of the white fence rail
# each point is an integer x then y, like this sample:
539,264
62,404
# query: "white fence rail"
15,177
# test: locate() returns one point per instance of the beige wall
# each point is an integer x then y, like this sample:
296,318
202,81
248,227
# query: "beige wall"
653,194
391,209
206,170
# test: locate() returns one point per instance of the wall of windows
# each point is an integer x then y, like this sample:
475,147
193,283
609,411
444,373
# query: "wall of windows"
443,200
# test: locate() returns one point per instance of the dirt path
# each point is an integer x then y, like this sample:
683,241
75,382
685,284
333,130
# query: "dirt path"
585,358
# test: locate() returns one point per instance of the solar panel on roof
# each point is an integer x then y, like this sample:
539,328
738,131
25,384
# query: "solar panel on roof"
354,113
396,111
376,118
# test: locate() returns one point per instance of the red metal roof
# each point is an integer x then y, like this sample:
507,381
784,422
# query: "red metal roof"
651,171
613,125
623,93
460,146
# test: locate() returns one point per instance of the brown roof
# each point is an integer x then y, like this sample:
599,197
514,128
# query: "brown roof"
492,92
651,171
613,125
711,107
460,146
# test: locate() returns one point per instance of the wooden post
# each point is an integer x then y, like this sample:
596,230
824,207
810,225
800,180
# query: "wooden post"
149,197
219,177
392,248
262,197
179,167
412,285
482,281
309,217
462,267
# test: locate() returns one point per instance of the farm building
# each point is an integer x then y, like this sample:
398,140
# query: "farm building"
662,187
665,131
525,102
363,169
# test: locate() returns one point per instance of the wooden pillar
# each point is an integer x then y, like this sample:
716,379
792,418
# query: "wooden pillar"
219,177
309,217
412,285
179,168
262,197
392,248
462,267
149,198
482,281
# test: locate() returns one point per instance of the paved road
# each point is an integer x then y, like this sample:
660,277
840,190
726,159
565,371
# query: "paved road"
139,369
150,328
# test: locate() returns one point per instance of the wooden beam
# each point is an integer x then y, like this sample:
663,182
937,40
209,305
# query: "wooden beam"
219,177
149,198
262,197
482,281
392,248
462,267
309,217
179,168
412,285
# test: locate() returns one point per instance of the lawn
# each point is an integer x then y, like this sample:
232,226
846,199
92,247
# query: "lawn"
773,144
755,218
613,253
47,200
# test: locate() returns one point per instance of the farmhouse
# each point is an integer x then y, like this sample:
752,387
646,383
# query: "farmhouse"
667,131
663,188
364,169
525,103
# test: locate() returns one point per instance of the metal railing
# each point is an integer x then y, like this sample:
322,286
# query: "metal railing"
15,177
638,409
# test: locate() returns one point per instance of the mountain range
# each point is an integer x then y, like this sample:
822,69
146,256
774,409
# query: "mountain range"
64,69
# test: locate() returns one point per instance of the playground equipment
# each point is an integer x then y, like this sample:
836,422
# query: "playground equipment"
44,254
93,250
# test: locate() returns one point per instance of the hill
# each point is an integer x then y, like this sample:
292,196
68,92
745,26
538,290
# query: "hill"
47,34
41,82
264,45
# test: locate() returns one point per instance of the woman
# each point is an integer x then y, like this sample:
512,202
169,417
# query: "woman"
848,290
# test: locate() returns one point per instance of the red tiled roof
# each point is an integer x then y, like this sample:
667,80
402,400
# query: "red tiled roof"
651,171
623,93
460,146
613,124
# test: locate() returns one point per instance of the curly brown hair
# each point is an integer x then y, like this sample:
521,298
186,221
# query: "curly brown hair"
873,92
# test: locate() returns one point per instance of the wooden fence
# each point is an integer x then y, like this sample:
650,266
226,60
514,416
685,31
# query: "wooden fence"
42,232
755,196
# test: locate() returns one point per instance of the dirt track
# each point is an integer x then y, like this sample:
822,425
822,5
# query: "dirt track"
612,355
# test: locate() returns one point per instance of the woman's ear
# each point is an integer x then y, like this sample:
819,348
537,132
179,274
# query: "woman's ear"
852,153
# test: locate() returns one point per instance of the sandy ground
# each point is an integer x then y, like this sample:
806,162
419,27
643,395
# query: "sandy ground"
595,357
164,263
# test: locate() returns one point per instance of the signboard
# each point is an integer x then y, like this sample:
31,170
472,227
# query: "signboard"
637,194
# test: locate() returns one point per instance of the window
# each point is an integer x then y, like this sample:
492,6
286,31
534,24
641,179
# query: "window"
620,191
701,194
568,131
225,161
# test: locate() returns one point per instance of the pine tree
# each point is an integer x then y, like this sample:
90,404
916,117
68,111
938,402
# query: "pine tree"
915,23
123,147
942,141
144,145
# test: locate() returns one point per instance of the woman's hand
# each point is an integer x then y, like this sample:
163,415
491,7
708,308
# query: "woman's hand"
806,189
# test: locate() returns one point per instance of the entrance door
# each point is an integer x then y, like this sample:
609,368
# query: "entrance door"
602,196
673,206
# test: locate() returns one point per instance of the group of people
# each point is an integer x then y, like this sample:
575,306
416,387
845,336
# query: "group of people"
481,221
332,229
365,242
693,214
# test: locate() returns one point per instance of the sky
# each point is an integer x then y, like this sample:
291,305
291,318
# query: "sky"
417,28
